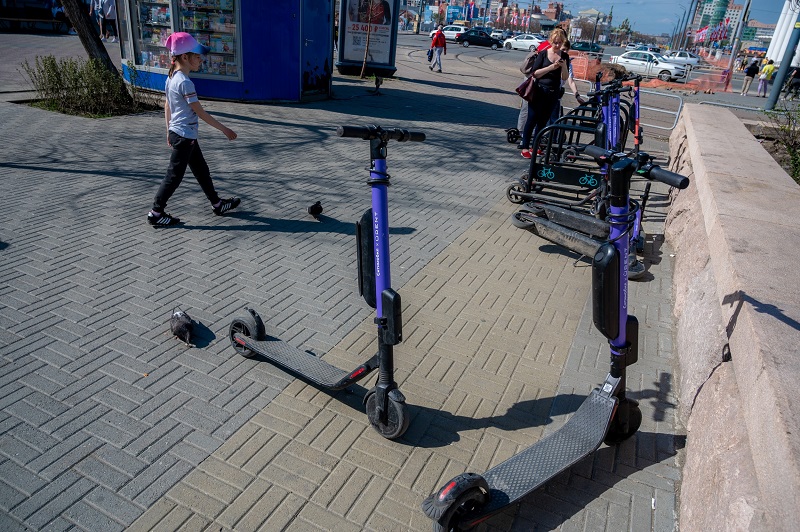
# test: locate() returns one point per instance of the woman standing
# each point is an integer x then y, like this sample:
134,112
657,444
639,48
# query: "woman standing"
549,69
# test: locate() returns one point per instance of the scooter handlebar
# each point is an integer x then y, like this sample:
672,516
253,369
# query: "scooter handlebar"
374,132
670,178
597,152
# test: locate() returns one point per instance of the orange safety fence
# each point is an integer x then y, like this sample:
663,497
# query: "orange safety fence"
585,67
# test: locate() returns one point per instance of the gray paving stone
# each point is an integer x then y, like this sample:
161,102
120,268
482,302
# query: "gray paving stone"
87,310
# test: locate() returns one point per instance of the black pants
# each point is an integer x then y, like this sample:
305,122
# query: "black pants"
110,26
184,152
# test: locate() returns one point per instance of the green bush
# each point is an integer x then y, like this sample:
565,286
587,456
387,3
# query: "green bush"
786,126
87,88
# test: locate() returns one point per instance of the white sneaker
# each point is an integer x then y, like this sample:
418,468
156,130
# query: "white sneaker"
113,39
102,39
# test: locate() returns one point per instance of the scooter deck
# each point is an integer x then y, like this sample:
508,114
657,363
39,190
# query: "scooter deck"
305,364
564,236
533,467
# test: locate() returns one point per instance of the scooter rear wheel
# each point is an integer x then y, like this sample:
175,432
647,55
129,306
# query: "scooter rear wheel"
250,325
397,416
462,496
522,220
619,432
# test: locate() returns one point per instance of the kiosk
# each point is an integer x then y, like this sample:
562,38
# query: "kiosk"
260,50
368,34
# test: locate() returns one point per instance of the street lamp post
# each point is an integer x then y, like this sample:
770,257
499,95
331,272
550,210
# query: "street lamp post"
594,31
674,40
420,15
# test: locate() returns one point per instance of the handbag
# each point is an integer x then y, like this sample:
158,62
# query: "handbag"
527,89
430,55
762,76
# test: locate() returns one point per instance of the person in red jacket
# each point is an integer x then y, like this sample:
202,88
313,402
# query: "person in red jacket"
439,46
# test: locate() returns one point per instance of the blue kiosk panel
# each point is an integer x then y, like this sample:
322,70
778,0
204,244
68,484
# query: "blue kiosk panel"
285,51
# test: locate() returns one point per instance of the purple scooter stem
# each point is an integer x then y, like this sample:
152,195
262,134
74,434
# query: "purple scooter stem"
380,230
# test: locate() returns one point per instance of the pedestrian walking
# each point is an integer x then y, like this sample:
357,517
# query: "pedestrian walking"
550,68
181,110
439,47
749,74
96,12
765,78
527,70
570,82
110,20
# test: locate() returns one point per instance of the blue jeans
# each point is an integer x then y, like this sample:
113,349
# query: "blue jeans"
437,58
539,112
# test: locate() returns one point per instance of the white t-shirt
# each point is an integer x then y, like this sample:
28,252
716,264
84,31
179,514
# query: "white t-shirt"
180,93
110,9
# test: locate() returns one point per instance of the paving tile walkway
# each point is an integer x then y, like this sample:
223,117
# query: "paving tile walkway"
108,423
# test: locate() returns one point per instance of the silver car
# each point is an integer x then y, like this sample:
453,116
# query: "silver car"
650,65
526,42
450,32
682,57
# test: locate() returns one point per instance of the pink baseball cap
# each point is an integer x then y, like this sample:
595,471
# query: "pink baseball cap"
182,43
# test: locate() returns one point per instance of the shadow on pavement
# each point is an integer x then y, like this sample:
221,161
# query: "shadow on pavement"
325,224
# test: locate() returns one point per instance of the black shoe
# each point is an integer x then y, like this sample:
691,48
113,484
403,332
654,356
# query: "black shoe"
226,205
162,220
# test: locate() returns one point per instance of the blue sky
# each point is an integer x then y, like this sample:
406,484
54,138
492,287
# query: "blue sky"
657,16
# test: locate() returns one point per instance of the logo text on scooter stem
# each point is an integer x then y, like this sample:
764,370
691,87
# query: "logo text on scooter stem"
376,228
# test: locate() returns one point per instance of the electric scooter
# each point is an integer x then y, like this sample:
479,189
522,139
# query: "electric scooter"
384,403
607,415
564,223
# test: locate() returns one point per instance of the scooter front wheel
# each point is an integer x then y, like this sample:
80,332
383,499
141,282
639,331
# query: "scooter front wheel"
397,419
249,325
512,135
511,193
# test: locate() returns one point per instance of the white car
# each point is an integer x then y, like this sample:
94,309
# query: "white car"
631,46
450,32
526,42
682,57
650,65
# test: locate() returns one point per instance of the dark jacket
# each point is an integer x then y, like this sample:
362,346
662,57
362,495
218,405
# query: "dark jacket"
752,70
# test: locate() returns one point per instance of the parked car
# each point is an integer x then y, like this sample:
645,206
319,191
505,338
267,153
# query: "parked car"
651,65
497,34
590,48
526,41
682,57
478,38
649,48
451,32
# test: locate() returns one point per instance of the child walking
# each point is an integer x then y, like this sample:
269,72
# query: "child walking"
181,110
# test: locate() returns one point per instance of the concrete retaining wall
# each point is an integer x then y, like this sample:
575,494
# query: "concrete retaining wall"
736,233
